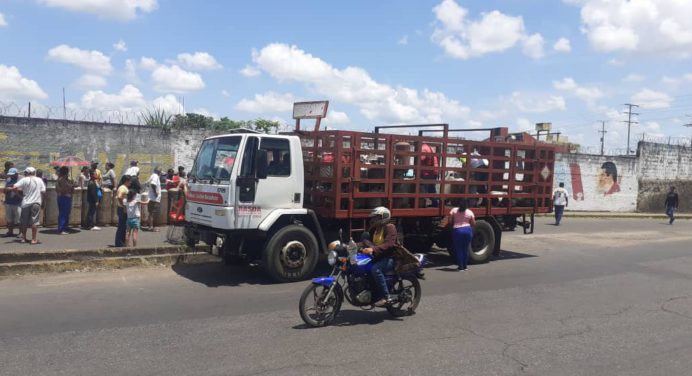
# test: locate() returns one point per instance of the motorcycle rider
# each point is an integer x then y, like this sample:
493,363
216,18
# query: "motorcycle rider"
381,247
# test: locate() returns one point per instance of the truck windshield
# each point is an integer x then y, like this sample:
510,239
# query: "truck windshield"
216,158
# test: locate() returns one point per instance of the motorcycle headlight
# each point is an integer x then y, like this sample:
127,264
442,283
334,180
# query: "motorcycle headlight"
331,257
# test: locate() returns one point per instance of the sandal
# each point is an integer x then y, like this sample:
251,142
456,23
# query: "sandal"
381,303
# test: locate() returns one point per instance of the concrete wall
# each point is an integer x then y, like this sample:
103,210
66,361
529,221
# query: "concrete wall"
590,186
36,142
661,166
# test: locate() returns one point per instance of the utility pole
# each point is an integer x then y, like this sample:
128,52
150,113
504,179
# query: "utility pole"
602,132
630,122
64,106
689,125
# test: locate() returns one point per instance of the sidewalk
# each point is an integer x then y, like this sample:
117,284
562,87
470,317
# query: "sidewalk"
93,250
79,239
595,214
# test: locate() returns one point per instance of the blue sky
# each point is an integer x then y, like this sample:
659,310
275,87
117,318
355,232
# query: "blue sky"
468,63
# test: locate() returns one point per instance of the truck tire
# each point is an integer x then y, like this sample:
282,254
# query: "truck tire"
483,243
291,254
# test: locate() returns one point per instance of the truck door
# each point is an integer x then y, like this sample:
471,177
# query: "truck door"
279,189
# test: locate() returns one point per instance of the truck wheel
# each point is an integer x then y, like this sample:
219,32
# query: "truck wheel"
483,243
291,254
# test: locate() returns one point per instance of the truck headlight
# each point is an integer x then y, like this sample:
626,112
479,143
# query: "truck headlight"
331,257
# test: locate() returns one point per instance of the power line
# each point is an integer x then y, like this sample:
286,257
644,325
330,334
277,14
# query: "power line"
630,122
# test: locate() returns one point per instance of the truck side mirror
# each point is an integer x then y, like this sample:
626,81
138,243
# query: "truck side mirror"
261,164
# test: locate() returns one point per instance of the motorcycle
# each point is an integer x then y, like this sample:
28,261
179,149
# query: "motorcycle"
350,278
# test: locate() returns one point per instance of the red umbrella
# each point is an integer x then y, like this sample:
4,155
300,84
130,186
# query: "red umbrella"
70,161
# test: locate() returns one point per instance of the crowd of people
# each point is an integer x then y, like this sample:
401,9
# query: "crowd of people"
25,198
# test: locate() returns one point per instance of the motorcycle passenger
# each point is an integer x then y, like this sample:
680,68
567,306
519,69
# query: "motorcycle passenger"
384,238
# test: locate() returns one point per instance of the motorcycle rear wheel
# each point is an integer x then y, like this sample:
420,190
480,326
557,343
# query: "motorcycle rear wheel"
316,309
408,292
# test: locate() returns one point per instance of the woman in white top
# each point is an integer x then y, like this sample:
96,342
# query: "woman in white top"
462,221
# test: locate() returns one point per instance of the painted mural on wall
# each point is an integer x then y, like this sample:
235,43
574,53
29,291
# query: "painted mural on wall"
596,184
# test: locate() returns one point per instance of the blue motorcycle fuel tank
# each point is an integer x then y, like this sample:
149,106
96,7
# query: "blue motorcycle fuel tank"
361,264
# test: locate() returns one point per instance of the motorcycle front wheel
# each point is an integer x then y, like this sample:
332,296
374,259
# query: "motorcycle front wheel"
316,308
408,292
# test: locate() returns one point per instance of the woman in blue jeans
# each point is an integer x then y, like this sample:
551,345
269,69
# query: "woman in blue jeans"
382,248
64,188
462,221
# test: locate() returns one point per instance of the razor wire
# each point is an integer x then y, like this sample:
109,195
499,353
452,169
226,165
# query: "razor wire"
38,110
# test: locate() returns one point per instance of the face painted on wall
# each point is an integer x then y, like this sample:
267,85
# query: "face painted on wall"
608,179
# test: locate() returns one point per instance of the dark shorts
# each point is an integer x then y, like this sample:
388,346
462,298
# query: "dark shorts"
154,207
30,215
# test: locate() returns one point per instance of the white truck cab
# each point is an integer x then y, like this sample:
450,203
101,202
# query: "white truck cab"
245,195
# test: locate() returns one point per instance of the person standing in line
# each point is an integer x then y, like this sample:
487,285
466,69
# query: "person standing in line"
84,177
64,189
154,205
120,195
34,191
92,202
96,171
462,220
133,206
671,203
109,176
13,202
133,173
560,202
8,166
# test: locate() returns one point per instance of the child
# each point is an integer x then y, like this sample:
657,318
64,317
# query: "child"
132,205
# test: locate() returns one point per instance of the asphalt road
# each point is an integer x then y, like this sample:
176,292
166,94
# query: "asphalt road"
591,297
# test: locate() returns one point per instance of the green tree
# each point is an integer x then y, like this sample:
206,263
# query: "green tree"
265,126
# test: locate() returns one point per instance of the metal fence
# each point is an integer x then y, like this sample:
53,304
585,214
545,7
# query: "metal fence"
70,113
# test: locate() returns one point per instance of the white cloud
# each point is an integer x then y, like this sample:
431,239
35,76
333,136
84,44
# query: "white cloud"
225,93
175,79
267,102
337,118
205,112
616,62
650,99
198,61
533,46
642,26
538,104
354,85
562,45
131,71
403,40
13,86
122,10
148,63
168,103
525,125
3,22
250,71
462,38
633,77
588,94
676,81
91,81
128,99
93,61
120,46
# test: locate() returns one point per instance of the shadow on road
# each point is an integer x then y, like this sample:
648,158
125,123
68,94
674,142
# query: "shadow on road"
353,317
52,231
217,274
443,259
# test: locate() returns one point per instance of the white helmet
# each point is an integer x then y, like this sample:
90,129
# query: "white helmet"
383,213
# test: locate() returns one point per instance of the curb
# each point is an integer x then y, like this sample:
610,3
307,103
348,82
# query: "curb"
101,259
87,254
618,216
